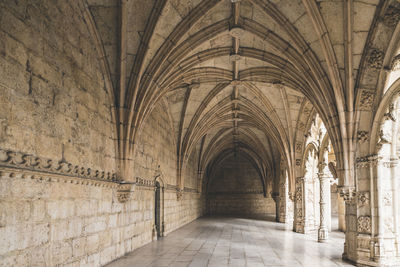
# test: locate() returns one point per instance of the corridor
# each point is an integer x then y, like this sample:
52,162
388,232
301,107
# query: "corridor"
223,241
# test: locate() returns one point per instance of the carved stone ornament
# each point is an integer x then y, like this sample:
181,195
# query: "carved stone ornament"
366,100
236,32
347,193
392,16
389,115
298,147
363,198
375,59
299,197
235,57
364,224
362,136
29,162
364,162
124,192
387,199
298,162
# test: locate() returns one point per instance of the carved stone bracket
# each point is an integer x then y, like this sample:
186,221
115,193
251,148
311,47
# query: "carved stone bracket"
124,191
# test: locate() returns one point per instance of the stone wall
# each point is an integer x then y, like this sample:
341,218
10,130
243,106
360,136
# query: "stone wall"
59,197
235,188
58,222
53,101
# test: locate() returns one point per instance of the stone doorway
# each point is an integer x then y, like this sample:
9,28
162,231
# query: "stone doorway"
158,208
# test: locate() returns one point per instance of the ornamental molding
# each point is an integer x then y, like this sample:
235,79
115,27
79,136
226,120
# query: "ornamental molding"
144,182
28,162
26,166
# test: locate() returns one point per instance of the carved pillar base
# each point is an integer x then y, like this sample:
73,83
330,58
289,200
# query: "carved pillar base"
323,234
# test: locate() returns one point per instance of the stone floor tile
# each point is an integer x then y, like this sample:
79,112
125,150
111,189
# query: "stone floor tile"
222,241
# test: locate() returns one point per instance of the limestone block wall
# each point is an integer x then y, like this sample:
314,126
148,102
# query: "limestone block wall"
251,205
56,140
53,101
235,188
58,221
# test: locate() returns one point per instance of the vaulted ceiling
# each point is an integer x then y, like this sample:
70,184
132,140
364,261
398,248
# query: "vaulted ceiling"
237,75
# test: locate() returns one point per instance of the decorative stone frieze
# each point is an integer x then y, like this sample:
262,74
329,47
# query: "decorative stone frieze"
365,162
364,224
29,162
144,182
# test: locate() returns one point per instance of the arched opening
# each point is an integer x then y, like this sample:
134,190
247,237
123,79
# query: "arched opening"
235,188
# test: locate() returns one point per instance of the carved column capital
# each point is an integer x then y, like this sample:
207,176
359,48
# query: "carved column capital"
348,193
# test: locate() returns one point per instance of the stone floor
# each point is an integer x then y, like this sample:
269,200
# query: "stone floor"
221,241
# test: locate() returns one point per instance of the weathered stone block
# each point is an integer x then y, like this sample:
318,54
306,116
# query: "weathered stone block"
60,209
61,252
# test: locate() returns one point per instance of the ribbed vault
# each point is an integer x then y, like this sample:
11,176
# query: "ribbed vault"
237,75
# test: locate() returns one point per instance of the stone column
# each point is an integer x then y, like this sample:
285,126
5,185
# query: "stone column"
324,182
298,223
